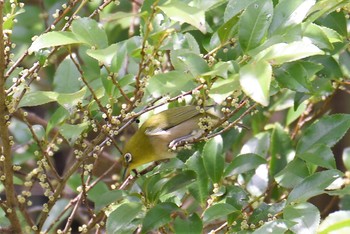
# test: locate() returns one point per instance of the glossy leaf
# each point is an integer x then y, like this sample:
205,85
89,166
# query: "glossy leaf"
200,188
305,215
346,158
320,155
221,89
184,13
171,83
189,62
217,211
253,24
158,216
294,173
289,13
275,227
179,181
71,132
192,224
213,158
52,39
293,114
255,79
317,36
328,130
66,79
297,75
283,52
281,149
37,98
235,6
88,31
259,145
244,163
120,220
337,222
228,29
313,185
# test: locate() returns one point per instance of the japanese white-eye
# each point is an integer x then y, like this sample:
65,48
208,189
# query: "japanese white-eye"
162,131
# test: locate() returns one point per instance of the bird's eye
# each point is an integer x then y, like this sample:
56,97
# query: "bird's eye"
127,158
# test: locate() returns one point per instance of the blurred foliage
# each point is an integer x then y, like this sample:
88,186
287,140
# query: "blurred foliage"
79,73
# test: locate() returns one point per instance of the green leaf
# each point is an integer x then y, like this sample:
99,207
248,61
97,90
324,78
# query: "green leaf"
305,215
264,211
200,188
216,211
183,13
88,31
236,196
179,181
55,217
297,75
228,29
223,88
281,149
328,130
235,6
253,24
313,185
52,39
104,55
317,36
293,114
158,216
259,144
320,155
189,62
255,79
276,227
70,100
192,224
336,222
292,174
66,79
37,98
289,13
346,158
108,198
71,132
58,117
244,163
213,158
120,220
283,52
171,83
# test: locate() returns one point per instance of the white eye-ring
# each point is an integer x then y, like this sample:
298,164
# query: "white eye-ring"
127,158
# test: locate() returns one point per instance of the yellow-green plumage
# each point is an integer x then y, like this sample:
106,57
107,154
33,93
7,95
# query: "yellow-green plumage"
151,142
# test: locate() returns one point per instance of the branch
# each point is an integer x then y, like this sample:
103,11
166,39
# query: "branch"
6,141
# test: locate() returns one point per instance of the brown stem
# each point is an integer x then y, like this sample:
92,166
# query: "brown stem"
5,141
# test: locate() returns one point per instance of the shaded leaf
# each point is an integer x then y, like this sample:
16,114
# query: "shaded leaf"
213,158
244,163
306,216
158,216
219,210
119,221
313,185
328,130
192,224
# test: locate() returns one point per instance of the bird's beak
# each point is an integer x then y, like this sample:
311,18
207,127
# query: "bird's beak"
125,172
